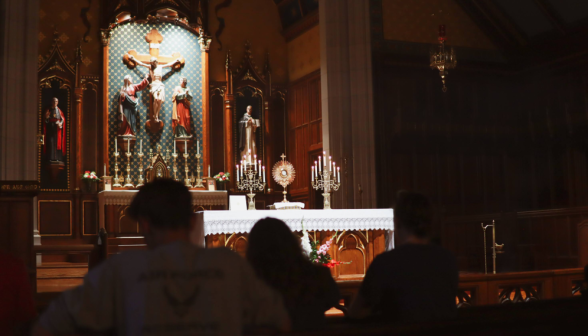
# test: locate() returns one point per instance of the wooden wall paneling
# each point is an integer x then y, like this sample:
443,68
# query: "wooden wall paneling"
16,226
89,217
90,138
55,217
217,130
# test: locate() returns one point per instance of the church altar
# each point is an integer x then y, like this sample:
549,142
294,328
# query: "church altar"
362,234
200,199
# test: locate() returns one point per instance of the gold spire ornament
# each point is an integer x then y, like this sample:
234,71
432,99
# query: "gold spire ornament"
284,174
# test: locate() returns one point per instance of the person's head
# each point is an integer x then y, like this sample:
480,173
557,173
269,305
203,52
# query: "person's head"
154,62
163,209
54,102
128,81
183,81
413,217
276,255
249,109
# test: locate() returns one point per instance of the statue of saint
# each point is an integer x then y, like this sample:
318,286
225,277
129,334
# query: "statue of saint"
247,128
54,132
157,89
181,111
128,105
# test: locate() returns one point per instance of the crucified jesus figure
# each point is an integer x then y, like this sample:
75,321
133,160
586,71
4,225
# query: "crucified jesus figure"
157,89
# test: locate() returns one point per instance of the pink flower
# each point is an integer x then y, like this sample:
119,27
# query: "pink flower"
221,173
87,172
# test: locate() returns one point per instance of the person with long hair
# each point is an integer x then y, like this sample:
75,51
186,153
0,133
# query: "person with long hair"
308,290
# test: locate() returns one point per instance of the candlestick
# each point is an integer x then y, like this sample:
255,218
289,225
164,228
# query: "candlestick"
263,174
209,171
128,181
320,162
251,181
128,145
141,146
259,168
175,164
325,180
174,147
116,178
198,147
330,163
115,145
198,172
185,146
325,159
338,175
237,173
187,182
141,179
255,161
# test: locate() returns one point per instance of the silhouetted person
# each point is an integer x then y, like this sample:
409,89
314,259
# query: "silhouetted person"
308,290
174,288
17,309
416,281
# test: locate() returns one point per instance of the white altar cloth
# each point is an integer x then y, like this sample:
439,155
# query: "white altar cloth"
124,197
218,222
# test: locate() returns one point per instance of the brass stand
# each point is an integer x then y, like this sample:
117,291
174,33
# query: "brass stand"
187,179
251,180
128,181
198,171
496,248
141,179
116,179
175,165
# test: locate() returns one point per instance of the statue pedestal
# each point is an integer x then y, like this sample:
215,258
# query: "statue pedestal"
125,140
55,167
181,142
154,126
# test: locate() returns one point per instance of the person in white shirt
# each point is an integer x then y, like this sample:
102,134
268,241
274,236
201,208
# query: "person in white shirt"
173,288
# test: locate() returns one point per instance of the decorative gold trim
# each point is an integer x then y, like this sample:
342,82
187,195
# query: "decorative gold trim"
247,76
84,219
56,66
39,218
122,214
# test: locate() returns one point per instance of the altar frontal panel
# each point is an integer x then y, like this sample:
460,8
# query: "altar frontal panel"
175,40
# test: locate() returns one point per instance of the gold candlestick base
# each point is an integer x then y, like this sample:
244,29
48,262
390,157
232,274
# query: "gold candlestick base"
251,201
327,201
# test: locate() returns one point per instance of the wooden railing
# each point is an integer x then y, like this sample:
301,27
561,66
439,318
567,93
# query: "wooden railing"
488,289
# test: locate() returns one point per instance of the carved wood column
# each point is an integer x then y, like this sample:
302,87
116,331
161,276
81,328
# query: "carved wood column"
105,35
79,118
268,129
206,143
19,20
228,122
346,90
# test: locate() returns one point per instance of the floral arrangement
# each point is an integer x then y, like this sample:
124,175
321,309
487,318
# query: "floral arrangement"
88,175
222,177
318,253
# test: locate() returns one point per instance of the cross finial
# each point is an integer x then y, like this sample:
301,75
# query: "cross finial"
283,156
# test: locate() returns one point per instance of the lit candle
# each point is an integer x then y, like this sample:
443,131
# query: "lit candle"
259,168
115,145
209,170
174,147
263,174
237,173
325,159
249,156
128,145
315,169
105,169
255,161
320,162
186,147
334,167
312,173
330,163
141,146
197,147
338,175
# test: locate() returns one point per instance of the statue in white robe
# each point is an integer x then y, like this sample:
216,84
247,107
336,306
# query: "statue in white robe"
247,128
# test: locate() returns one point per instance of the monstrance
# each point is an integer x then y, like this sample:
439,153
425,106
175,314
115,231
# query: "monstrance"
284,174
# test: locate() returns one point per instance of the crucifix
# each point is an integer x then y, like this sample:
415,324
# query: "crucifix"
155,63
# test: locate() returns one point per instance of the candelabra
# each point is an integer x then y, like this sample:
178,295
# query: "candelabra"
187,179
128,182
116,179
325,176
251,177
175,165
442,59
496,248
141,179
198,171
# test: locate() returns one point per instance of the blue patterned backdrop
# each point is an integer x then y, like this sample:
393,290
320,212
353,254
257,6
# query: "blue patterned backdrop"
175,39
